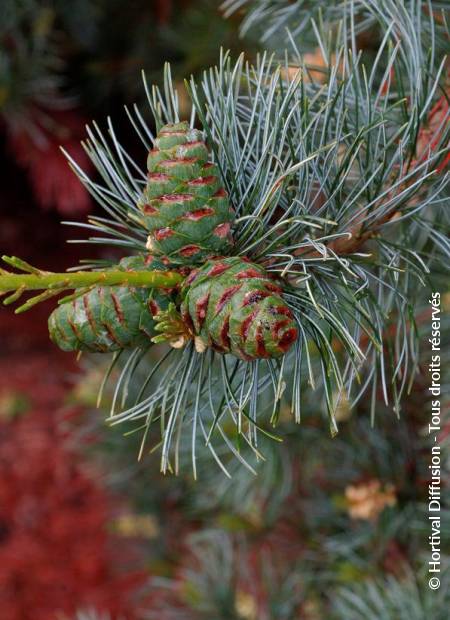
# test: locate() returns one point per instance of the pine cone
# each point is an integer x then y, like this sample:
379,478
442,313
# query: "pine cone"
233,306
110,318
184,206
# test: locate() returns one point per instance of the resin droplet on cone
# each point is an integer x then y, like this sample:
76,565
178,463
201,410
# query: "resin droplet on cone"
184,206
110,318
233,306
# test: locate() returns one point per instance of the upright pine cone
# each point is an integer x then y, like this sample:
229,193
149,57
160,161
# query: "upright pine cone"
233,306
110,318
184,206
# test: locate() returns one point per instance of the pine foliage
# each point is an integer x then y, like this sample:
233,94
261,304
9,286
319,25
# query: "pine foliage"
393,598
425,19
336,182
339,186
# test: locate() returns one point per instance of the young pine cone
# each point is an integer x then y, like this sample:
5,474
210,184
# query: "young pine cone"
233,306
184,206
110,318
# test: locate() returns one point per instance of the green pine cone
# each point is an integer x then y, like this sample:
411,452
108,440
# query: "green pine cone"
184,206
233,306
110,318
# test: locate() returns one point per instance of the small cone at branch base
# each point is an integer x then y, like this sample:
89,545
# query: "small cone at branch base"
184,207
234,306
110,318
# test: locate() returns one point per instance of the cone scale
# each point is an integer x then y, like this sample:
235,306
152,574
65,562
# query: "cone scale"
234,307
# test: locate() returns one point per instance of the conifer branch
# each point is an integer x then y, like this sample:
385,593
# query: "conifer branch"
313,167
52,284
